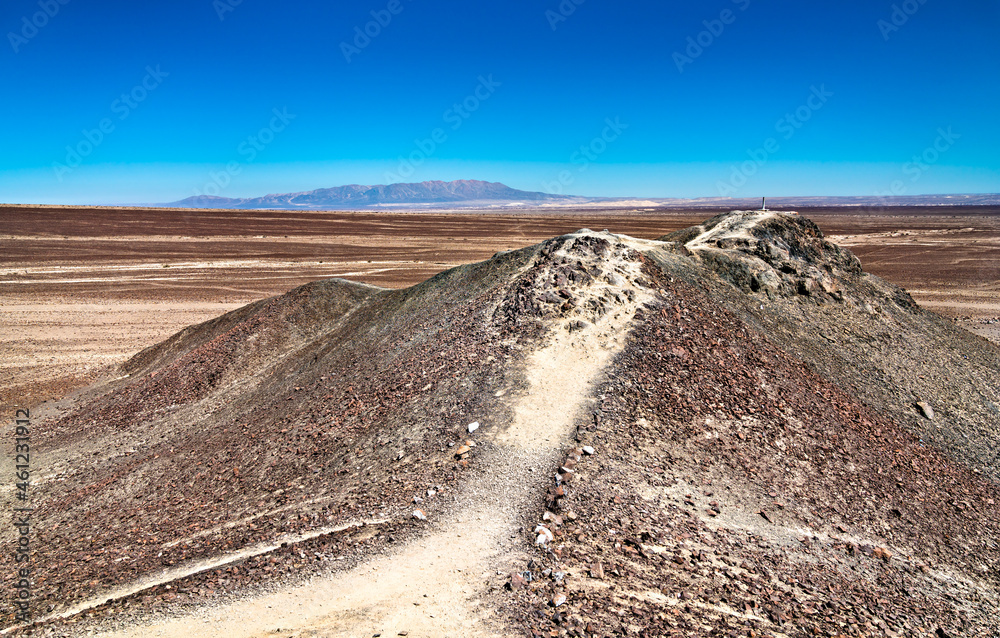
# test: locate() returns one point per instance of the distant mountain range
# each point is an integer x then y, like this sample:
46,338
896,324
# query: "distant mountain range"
359,196
479,194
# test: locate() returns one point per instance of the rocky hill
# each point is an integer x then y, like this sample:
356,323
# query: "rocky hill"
732,431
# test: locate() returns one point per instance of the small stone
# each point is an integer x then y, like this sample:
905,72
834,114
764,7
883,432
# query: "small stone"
517,581
597,571
545,535
419,515
472,427
926,410
882,553
462,451
558,599
588,450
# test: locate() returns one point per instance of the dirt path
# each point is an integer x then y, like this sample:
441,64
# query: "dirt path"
434,586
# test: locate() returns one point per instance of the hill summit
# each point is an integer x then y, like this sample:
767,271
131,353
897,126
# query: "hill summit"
730,431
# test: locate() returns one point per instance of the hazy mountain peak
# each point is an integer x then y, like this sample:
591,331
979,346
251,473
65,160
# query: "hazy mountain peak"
361,195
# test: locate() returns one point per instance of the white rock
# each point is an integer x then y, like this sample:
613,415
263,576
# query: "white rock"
419,515
473,426
544,535
588,450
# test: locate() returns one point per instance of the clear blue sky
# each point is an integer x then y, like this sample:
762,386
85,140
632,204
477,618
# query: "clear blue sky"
869,88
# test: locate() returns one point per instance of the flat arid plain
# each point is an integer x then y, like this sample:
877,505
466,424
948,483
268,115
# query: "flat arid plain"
85,288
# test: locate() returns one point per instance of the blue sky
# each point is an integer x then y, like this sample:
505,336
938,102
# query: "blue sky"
120,101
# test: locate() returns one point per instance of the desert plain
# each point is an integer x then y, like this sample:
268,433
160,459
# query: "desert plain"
82,289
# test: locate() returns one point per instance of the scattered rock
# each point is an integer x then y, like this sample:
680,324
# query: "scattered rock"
882,553
555,518
588,450
517,581
545,535
419,514
926,410
472,427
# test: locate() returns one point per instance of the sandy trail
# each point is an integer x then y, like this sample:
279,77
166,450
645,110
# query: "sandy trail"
433,587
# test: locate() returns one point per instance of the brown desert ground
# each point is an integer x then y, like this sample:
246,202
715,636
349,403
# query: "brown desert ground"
82,289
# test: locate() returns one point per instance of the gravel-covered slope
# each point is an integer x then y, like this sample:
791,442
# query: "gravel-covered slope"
811,298
735,492
330,405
